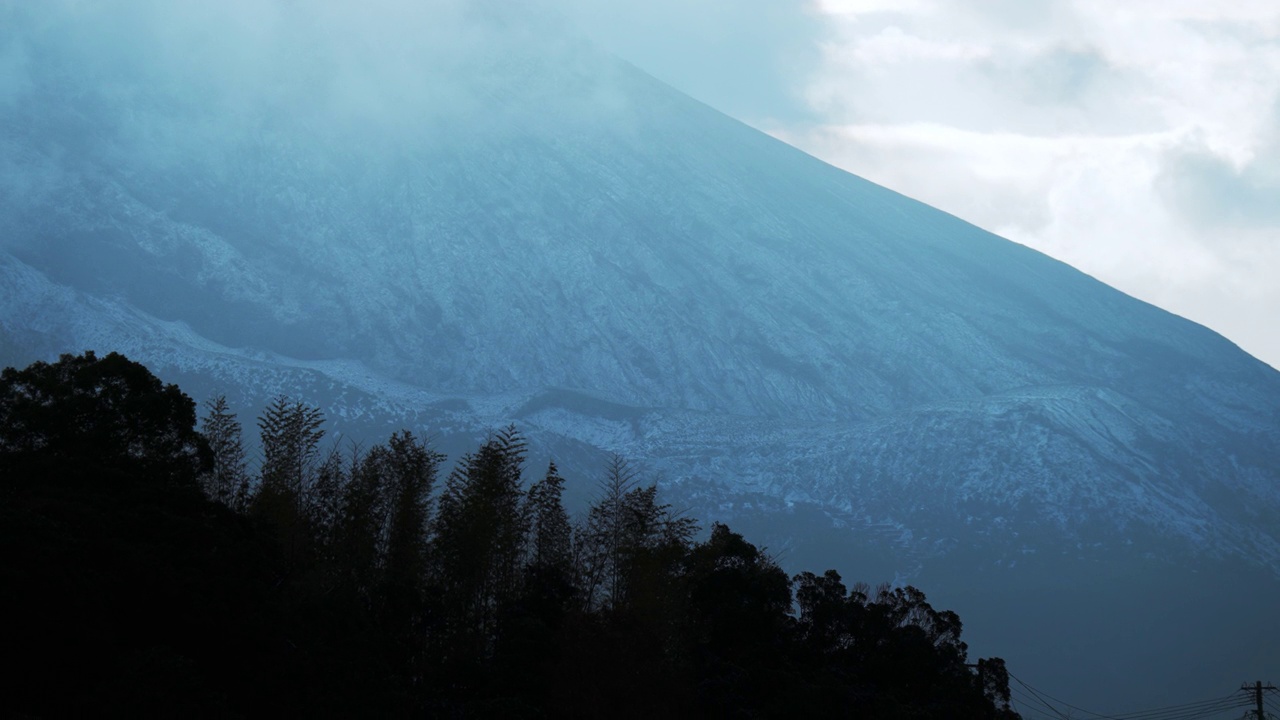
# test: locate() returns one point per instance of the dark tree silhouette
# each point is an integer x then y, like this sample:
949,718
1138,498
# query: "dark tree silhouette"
409,468
738,626
550,532
335,592
290,434
624,529
227,480
479,538
109,411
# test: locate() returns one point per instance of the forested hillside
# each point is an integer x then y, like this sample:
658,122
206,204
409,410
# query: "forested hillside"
153,570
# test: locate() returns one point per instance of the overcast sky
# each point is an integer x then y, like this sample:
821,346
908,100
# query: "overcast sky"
1138,140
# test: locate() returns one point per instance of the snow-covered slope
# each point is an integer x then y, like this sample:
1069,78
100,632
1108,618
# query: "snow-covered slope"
551,237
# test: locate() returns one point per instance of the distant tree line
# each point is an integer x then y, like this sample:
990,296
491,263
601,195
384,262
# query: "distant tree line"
150,571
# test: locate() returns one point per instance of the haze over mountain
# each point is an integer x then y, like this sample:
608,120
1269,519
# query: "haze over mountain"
462,215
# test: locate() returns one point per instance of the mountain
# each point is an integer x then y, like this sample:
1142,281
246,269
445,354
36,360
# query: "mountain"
457,216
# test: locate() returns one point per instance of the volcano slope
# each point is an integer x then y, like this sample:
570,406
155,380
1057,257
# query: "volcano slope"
452,219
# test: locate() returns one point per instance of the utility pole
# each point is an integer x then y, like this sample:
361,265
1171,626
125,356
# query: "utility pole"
1257,689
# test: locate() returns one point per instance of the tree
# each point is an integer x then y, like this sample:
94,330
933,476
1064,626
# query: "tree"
625,523
227,481
825,626
993,678
360,525
325,501
409,468
111,411
548,586
889,653
345,597
602,541
290,433
550,532
479,537
739,604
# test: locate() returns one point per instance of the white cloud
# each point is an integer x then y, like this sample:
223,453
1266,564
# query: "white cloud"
1138,141
893,45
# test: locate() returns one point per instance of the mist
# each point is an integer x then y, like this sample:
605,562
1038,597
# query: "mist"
165,82
241,96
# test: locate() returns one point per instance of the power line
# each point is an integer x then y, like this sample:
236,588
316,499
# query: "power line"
1035,699
1030,711
1257,690
1185,711
1192,711
1189,711
1137,715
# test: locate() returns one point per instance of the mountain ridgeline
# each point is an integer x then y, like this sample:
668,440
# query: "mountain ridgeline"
460,215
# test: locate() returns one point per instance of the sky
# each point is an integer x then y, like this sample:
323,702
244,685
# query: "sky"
1137,140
